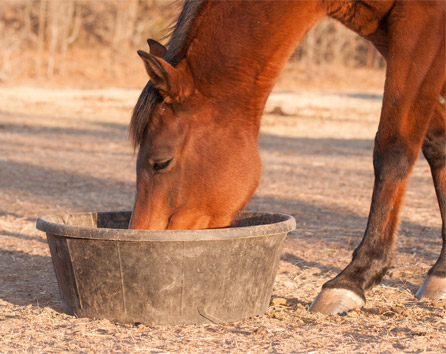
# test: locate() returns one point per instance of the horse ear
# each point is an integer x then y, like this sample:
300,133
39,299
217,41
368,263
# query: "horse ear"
170,83
156,48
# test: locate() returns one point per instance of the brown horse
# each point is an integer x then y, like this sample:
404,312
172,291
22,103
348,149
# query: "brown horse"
196,122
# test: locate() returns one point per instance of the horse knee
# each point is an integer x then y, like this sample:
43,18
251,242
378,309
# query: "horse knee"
434,150
434,144
393,161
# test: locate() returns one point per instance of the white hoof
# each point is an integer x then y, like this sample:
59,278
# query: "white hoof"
434,287
336,301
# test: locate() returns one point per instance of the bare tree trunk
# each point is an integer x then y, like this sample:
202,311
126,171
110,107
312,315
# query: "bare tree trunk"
28,33
130,21
309,60
370,55
10,40
125,22
74,20
41,37
77,24
53,35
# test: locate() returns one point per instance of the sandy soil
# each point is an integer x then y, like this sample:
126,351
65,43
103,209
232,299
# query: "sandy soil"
67,150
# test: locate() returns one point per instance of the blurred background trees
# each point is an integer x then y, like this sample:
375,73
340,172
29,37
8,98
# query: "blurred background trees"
53,40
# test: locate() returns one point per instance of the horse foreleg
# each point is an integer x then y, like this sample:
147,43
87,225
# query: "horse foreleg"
434,149
373,256
411,90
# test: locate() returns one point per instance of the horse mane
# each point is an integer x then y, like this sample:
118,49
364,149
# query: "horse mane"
175,52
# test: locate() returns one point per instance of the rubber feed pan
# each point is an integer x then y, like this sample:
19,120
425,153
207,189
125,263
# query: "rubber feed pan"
105,270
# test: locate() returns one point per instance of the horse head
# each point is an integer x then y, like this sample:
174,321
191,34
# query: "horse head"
190,174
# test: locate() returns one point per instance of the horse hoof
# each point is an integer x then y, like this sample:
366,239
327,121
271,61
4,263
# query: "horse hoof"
336,301
434,288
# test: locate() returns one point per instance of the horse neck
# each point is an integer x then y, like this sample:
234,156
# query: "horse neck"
236,49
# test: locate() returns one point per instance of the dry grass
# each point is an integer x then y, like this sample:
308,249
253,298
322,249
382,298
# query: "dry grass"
66,150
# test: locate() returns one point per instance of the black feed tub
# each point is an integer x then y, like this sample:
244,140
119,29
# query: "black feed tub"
105,270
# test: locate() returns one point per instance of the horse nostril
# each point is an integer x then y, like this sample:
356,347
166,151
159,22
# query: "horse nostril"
161,164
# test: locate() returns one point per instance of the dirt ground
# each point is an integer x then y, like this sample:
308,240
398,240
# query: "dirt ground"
66,150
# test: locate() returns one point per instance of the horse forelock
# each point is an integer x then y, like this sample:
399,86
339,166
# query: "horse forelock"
150,96
142,112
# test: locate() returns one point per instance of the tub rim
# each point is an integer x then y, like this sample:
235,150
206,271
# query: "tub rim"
59,225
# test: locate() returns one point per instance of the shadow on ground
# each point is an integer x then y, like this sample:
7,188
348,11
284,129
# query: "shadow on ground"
28,280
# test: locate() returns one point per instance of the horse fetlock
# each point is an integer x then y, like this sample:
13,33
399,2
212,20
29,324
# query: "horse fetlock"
335,301
368,267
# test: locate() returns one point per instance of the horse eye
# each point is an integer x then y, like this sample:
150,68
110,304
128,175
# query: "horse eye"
161,164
